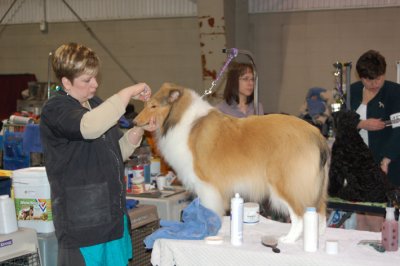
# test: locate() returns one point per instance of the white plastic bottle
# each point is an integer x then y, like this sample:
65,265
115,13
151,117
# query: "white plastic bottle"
237,220
310,231
8,218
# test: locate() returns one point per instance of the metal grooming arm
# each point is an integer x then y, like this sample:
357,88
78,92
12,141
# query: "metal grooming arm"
398,71
232,53
348,82
251,57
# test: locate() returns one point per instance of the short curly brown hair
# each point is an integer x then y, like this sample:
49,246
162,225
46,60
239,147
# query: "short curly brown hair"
371,65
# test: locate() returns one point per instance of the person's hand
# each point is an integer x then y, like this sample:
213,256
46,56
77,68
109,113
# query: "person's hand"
385,165
371,124
141,91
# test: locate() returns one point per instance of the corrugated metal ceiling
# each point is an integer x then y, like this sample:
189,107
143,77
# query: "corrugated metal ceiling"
28,11
263,6
31,11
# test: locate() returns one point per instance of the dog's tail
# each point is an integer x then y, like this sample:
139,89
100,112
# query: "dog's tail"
323,169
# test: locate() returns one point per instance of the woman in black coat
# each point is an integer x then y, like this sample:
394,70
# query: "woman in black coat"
377,101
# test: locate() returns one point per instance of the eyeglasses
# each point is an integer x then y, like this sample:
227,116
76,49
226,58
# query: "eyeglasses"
247,79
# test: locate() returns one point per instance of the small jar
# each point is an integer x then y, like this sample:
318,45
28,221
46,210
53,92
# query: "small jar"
251,213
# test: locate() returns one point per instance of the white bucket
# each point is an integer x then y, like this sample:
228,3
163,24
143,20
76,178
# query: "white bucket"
32,199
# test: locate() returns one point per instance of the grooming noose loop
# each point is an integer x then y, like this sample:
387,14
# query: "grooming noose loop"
233,53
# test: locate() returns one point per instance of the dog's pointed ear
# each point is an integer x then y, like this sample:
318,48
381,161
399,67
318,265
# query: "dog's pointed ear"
174,95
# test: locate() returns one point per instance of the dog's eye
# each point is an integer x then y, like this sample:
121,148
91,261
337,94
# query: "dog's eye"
153,106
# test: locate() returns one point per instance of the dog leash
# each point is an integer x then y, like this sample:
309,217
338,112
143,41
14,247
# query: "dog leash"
233,53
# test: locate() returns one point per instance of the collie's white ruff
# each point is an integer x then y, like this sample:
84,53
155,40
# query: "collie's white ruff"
215,155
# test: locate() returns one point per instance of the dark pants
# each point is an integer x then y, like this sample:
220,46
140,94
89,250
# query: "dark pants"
70,257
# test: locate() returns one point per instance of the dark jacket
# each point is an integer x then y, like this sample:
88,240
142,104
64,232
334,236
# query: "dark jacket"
86,176
386,142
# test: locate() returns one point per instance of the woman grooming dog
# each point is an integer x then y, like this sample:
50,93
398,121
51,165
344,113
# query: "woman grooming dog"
84,158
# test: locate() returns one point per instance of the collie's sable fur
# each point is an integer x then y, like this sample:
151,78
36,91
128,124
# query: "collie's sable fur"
216,155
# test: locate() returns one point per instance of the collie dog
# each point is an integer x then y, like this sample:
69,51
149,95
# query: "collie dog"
215,155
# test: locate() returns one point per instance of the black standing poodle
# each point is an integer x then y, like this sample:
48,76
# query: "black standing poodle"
353,173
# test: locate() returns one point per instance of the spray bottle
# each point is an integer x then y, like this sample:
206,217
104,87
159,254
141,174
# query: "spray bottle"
237,220
390,230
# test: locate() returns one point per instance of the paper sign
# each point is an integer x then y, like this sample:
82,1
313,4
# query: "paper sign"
395,118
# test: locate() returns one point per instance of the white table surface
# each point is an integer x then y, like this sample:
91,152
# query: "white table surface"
168,252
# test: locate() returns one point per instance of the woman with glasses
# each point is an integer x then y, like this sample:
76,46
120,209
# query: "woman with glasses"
239,92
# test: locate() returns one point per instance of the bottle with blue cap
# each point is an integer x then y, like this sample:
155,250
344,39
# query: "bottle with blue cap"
310,230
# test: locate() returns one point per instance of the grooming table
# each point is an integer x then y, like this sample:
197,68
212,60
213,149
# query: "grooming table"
252,252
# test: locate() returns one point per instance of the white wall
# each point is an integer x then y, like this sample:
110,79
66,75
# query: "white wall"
152,50
296,50
293,50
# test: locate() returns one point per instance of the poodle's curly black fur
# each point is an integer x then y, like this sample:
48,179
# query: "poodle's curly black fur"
353,173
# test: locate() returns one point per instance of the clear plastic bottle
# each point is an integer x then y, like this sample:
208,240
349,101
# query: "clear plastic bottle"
310,231
237,220
390,229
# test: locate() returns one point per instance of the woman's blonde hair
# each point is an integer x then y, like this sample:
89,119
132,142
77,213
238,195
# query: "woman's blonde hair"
72,60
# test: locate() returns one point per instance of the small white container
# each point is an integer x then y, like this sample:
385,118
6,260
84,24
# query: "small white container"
251,213
310,230
161,182
32,199
332,247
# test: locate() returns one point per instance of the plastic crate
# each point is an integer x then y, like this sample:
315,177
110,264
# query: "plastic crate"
144,221
25,260
20,248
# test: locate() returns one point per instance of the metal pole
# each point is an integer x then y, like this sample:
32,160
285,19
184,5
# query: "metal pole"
49,75
251,57
255,89
348,83
398,71
8,10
